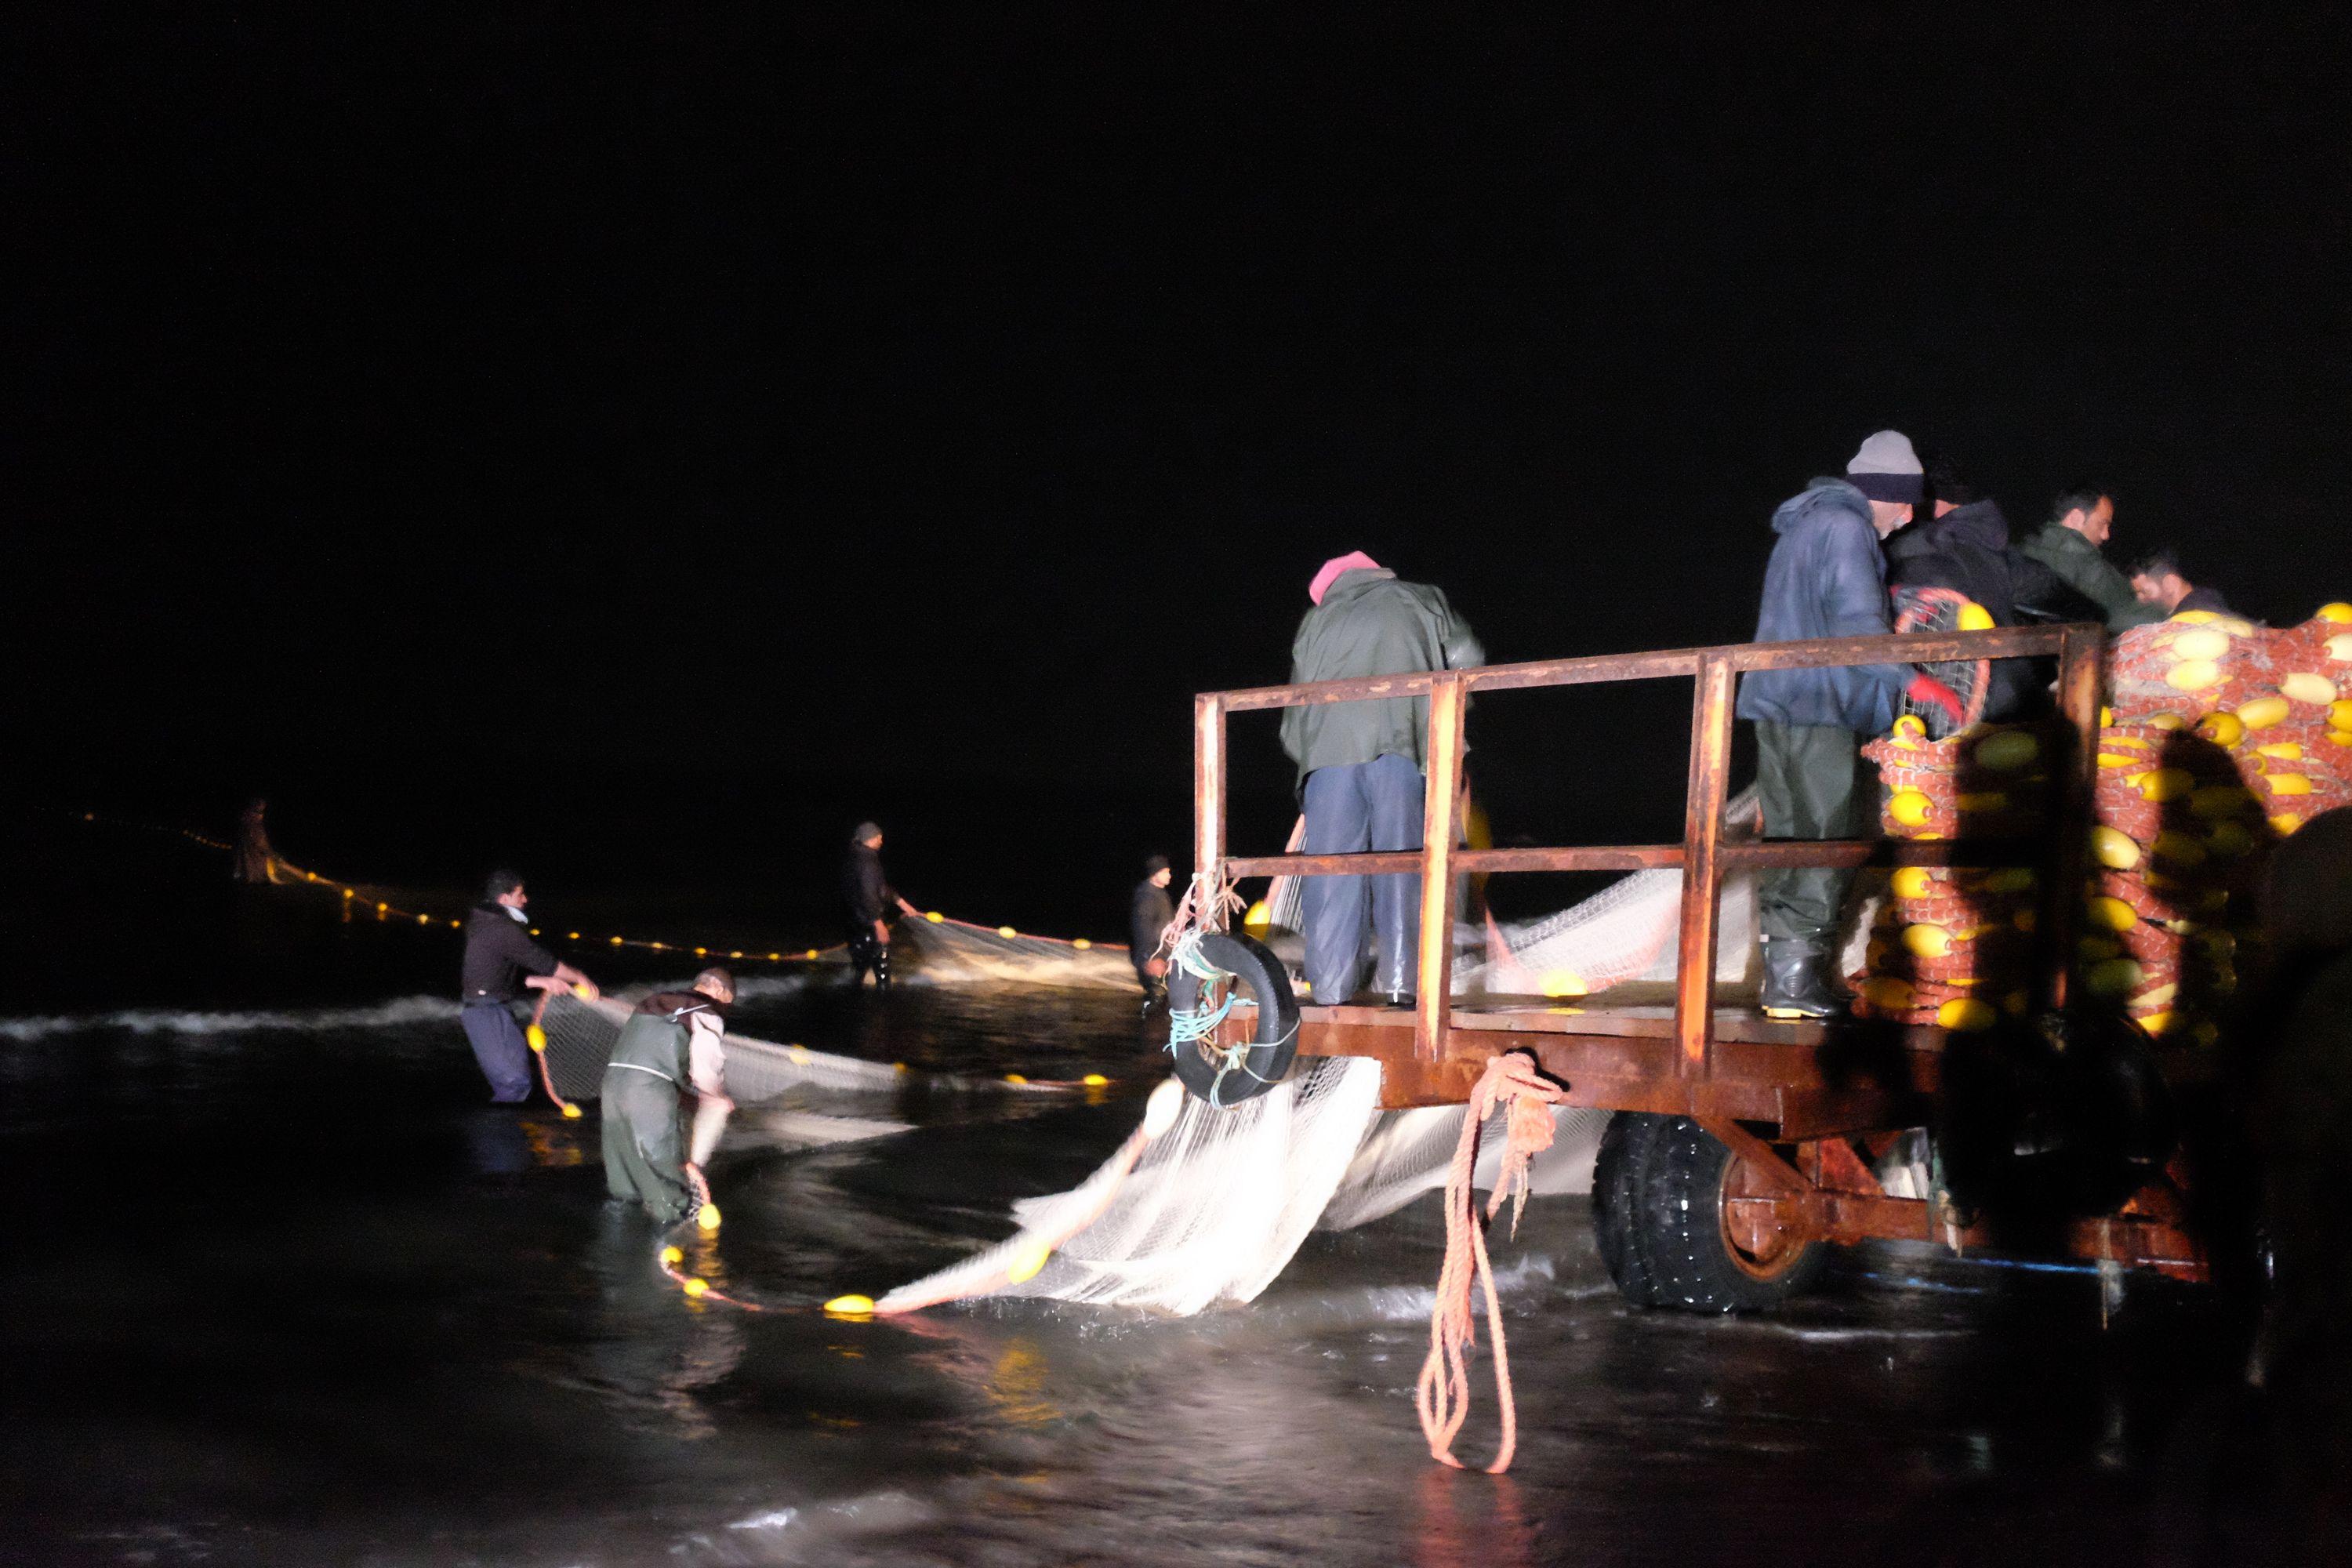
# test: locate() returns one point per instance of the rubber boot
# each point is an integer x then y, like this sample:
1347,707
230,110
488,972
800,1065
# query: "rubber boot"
1794,983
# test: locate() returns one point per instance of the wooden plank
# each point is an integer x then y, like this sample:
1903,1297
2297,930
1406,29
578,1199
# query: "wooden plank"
1441,799
1710,771
1649,856
2061,903
1209,790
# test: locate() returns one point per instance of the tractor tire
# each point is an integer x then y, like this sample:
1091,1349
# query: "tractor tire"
1692,1263
1616,1186
1273,1048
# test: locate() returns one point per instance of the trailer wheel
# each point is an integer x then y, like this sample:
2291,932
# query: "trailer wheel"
1695,1258
1616,1187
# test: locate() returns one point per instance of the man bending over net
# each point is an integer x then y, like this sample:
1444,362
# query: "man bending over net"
671,1041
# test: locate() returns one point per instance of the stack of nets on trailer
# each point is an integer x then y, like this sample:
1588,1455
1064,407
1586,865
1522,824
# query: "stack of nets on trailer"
1954,946
2222,737
951,951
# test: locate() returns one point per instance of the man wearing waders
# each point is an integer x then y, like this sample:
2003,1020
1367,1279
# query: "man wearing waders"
870,897
1149,913
1360,764
670,1044
1826,579
501,961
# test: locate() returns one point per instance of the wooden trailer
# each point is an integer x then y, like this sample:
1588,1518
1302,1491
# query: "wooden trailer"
1759,1133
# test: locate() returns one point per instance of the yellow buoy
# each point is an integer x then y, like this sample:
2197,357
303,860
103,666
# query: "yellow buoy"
1909,807
2281,751
1159,1112
851,1306
2288,783
1015,1077
2304,687
2224,728
2340,612
1975,618
2339,648
2263,712
1562,982
1887,991
707,1217
1926,940
2009,749
2113,914
934,917
1024,1265
535,1037
2180,848
1965,1013
2285,822
2216,801
672,1256
1259,919
1007,933
2193,675
2203,642
799,1054
1082,944
1094,1081
2166,721
809,954
2155,1024
2120,760
1987,800
2165,784
571,1111
2156,996
2195,618
694,1287
1910,727
2228,838
2011,880
2115,850
1914,882
2114,977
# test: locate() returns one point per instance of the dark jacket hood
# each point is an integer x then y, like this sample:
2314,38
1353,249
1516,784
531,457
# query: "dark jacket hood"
1821,495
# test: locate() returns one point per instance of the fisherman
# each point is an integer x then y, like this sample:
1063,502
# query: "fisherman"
1361,764
1149,913
256,860
672,1044
870,897
1964,547
1826,579
2082,519
501,961
2157,580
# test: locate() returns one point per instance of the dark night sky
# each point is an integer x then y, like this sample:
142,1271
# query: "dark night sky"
428,425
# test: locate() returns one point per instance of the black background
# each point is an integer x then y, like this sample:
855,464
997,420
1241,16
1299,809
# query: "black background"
645,448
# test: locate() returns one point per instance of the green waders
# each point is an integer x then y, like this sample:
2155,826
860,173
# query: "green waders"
1815,783
645,1143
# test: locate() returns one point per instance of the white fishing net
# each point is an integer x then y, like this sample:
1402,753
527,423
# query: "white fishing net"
951,951
580,1037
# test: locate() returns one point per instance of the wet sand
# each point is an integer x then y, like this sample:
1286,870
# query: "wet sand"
291,1295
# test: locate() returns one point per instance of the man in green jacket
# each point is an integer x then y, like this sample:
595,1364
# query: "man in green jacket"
1361,764
2079,521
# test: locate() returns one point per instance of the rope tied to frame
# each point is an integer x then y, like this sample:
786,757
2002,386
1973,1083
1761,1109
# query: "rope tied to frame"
1443,1396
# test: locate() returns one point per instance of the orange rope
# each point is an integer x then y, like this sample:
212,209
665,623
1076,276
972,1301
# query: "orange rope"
1443,1396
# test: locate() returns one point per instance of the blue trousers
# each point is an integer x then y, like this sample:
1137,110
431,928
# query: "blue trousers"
499,1046
1351,807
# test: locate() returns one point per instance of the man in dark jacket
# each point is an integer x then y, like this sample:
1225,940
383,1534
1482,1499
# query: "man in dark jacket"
1825,579
1361,764
2082,519
870,897
1964,547
2157,581
671,1046
501,961
1147,914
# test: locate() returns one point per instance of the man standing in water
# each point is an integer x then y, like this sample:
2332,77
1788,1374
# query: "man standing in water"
1147,914
672,1042
1826,579
501,961
870,897
1361,764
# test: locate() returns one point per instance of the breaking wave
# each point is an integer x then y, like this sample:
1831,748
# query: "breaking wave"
182,1021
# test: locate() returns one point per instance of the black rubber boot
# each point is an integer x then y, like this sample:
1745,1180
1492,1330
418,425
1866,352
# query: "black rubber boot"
1795,985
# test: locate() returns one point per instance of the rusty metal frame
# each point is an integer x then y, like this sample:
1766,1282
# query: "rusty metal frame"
1703,856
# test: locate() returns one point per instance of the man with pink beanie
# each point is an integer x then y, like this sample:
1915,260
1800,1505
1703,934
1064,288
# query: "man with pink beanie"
1360,764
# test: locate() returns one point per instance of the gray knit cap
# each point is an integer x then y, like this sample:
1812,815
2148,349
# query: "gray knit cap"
864,831
1888,469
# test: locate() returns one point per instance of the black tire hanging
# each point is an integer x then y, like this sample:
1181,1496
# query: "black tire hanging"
1658,1215
1274,1044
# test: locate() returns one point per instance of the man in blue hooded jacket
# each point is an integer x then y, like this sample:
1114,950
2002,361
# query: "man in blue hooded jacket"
1826,579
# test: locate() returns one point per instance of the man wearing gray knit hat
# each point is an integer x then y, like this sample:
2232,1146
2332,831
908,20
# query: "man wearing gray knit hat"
1826,579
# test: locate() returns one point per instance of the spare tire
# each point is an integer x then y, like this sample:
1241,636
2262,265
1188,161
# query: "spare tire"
1274,1045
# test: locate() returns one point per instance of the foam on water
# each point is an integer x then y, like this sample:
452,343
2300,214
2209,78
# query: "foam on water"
170,1021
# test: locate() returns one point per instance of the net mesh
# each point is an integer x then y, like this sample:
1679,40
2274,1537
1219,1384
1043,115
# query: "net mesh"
580,1037
952,952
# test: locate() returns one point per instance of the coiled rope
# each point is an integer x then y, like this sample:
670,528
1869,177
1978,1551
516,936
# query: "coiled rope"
1443,1396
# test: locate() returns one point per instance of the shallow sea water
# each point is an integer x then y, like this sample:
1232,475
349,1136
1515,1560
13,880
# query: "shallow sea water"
284,1292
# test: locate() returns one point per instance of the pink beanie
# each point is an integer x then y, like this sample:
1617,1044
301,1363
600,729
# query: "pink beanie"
1354,561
